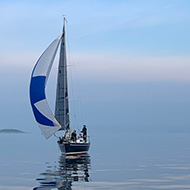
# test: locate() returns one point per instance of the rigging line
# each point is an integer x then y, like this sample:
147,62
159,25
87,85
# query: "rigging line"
79,92
56,136
77,87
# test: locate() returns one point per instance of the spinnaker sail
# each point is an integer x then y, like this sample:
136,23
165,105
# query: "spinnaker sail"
43,115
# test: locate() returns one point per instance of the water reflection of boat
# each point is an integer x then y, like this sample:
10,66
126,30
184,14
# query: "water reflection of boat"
69,169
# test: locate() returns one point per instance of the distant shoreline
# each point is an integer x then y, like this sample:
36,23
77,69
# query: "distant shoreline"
12,131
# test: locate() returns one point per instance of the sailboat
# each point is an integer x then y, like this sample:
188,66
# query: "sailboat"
48,122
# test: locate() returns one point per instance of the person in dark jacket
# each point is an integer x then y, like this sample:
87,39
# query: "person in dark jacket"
84,131
74,136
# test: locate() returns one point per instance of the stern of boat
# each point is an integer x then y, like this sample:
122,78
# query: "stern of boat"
74,148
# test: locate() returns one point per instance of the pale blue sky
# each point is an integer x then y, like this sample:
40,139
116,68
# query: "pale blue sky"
132,62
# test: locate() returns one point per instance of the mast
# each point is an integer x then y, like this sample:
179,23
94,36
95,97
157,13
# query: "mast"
62,99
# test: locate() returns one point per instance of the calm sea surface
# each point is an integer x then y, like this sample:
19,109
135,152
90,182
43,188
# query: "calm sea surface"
116,160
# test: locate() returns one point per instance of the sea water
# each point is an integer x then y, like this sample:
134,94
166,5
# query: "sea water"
116,160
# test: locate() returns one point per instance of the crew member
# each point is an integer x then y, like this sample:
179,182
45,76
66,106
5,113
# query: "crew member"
84,131
74,136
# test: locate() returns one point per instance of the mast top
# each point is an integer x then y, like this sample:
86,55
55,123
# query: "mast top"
64,21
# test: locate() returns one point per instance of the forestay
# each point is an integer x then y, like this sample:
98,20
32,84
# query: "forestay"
43,115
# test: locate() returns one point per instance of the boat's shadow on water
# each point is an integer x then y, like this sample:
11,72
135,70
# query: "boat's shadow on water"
69,170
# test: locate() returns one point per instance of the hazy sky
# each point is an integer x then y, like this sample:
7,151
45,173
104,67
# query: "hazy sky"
131,61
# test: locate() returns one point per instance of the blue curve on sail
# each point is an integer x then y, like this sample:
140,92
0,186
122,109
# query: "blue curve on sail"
37,93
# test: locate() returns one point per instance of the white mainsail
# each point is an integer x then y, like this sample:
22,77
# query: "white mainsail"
43,115
62,99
